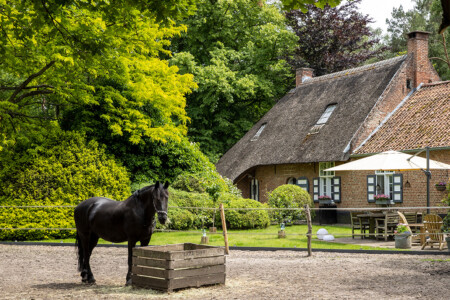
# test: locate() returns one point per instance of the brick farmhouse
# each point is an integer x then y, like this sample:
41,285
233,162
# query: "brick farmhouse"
396,104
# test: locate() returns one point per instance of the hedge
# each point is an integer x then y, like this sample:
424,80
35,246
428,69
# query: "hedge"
65,170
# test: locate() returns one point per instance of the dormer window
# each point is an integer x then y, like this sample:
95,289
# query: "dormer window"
258,133
408,84
327,113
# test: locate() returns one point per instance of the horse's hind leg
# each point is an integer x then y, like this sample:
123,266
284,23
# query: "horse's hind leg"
93,240
88,241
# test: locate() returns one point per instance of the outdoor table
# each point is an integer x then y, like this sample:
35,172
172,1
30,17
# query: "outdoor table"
371,216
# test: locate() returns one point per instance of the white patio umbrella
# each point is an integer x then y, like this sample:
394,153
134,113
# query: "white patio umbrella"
395,161
390,161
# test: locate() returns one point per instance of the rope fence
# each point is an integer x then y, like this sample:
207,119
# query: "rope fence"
422,208
248,232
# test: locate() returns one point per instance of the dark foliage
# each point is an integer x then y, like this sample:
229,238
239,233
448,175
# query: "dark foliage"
332,39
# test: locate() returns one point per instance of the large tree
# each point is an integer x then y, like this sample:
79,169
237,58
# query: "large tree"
333,38
56,55
235,50
426,16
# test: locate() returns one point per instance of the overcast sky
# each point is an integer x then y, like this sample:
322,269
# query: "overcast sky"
379,10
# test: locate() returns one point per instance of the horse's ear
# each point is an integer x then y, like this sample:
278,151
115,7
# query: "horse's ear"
157,184
166,185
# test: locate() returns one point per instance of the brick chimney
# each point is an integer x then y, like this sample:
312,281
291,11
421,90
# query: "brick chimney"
302,74
421,71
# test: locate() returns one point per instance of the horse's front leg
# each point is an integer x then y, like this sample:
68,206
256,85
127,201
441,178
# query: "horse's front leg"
131,245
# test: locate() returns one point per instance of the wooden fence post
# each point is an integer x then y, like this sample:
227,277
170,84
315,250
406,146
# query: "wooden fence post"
309,233
224,228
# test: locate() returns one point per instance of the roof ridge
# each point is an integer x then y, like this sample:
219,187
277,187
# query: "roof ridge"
435,83
352,71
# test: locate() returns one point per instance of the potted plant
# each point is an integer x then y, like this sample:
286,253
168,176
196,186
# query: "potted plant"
325,199
382,199
402,237
441,186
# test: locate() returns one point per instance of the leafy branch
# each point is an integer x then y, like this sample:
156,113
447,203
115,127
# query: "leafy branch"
24,84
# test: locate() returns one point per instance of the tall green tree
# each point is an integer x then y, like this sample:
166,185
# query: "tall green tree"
236,50
53,53
426,15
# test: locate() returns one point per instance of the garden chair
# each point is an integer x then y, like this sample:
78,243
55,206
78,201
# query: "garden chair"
384,227
411,217
433,224
407,219
359,224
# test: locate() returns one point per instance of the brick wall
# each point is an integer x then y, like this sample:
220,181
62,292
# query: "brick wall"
353,184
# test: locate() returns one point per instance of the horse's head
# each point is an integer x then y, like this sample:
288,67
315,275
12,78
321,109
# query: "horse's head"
160,200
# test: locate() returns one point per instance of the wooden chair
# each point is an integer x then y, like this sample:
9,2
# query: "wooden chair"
411,218
384,227
358,224
403,218
433,224
404,221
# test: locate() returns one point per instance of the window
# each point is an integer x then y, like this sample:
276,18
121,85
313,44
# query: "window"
303,183
258,133
328,111
327,183
387,183
408,83
254,189
292,180
384,183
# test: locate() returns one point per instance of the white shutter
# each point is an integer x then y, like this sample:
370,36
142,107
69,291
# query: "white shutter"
397,193
336,189
316,189
371,188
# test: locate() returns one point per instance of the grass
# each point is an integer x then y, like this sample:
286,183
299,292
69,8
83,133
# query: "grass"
268,237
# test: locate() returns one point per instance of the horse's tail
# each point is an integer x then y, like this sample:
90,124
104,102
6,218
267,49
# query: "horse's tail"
79,252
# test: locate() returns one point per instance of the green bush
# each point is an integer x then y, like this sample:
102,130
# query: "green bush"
64,170
245,219
180,219
289,196
203,218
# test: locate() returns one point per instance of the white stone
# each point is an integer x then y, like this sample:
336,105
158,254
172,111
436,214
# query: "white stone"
328,237
321,233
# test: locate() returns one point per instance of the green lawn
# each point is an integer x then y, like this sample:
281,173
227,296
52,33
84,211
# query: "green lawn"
295,237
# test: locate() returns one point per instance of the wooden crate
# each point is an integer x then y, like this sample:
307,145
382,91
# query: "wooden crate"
177,266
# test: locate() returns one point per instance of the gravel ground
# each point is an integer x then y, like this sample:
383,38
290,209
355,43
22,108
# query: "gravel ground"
45,272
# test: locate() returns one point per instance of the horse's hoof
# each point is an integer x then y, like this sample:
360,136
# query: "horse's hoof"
128,282
91,281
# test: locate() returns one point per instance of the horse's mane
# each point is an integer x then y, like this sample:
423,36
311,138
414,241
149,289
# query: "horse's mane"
143,190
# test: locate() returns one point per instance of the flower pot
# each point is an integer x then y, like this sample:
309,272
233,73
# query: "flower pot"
440,187
281,234
383,202
403,240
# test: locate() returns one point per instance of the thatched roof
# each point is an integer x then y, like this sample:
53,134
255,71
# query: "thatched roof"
419,121
286,137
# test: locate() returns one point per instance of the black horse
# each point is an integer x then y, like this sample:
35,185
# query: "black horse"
131,220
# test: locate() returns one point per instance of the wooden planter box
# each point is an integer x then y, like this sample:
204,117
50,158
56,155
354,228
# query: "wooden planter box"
178,266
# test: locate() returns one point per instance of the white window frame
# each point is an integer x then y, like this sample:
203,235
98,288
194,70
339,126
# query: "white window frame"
258,133
326,114
326,177
254,189
387,177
